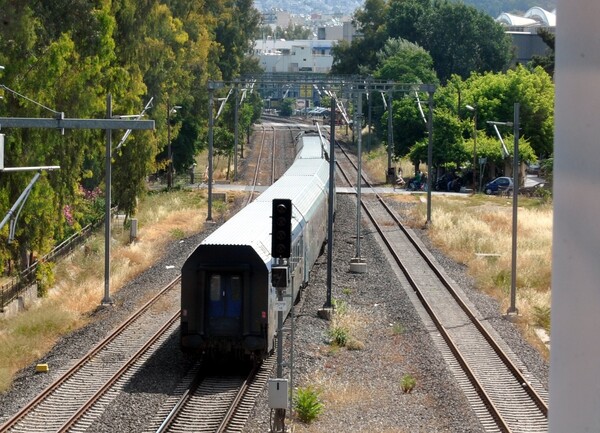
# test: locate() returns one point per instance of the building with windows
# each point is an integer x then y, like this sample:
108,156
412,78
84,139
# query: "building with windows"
524,31
278,55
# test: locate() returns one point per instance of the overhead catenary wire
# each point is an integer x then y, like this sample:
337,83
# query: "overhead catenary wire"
138,117
58,113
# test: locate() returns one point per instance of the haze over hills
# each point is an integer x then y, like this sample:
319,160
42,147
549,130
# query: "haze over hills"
307,7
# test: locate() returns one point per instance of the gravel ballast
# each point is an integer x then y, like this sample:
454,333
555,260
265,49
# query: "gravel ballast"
361,389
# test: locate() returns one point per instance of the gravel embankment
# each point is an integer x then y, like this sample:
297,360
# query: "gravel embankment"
360,388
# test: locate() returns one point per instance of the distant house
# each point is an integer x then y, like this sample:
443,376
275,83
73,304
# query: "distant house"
278,55
524,31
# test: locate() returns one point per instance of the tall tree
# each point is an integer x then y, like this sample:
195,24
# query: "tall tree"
459,38
66,55
405,62
546,61
359,57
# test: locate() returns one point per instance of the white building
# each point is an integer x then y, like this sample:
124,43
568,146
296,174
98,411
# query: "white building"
294,56
523,30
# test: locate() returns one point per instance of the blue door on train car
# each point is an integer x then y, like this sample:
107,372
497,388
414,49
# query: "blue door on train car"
224,304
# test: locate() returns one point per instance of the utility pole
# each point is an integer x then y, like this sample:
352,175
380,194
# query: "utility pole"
391,178
110,123
212,86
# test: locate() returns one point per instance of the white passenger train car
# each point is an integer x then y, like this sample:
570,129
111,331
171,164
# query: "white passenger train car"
227,299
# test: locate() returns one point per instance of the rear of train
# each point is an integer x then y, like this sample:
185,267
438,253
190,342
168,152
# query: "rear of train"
227,300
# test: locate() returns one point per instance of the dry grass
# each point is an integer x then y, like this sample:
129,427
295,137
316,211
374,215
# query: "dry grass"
375,163
474,229
477,232
338,395
354,321
80,278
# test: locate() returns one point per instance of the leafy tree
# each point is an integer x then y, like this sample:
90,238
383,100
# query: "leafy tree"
496,94
408,125
292,32
547,61
287,107
359,57
63,54
237,21
405,62
478,44
448,145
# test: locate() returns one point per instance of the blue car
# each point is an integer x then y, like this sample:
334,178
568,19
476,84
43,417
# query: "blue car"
499,185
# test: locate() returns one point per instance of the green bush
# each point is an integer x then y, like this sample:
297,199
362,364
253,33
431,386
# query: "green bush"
44,276
340,307
339,336
177,234
541,316
307,404
407,383
398,329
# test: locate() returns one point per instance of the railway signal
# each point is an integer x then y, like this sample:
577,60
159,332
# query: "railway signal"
281,233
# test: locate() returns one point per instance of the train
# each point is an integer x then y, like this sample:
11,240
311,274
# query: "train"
228,302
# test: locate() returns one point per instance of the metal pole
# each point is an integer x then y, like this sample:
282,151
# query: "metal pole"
169,151
370,121
210,150
331,200
107,204
513,283
236,132
279,419
292,347
359,179
279,335
475,149
429,154
21,199
390,139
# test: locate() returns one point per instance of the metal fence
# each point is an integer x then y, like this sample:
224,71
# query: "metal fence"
12,289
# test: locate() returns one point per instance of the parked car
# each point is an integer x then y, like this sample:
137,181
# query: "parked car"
498,185
533,168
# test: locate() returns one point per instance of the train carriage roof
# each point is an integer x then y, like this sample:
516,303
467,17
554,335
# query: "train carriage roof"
303,183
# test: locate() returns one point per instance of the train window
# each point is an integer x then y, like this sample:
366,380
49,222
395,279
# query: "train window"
236,288
215,287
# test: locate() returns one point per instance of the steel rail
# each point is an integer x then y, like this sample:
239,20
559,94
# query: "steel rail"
87,357
257,168
118,374
515,371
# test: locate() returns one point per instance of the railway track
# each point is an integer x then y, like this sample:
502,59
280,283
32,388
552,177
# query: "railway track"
79,396
216,403
267,135
276,141
503,395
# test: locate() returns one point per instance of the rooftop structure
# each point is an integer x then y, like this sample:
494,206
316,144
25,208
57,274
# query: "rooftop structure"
534,17
524,31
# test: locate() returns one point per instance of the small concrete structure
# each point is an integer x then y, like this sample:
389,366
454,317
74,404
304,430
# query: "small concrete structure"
325,313
26,299
358,265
